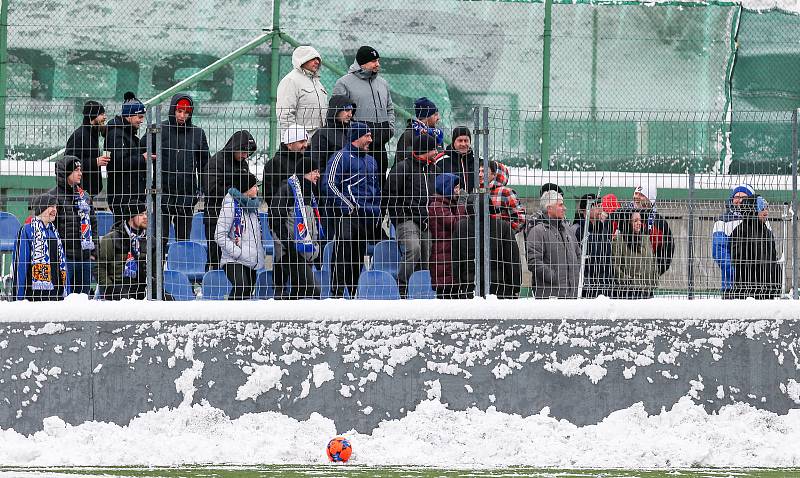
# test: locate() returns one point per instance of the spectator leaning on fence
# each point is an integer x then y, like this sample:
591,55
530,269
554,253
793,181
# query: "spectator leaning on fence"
351,183
634,263
370,92
754,257
644,197
459,158
225,169
40,261
553,251
424,123
122,259
406,195
184,154
724,226
84,143
127,169
238,234
76,223
302,99
294,142
296,225
597,273
445,210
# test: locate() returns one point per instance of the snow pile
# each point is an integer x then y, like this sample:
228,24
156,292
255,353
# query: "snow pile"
738,436
74,308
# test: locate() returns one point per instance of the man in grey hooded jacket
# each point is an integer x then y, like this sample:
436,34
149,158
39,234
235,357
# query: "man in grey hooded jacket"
302,98
370,92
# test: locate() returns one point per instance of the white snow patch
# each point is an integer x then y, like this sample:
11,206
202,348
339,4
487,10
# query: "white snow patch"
263,379
793,390
185,383
322,373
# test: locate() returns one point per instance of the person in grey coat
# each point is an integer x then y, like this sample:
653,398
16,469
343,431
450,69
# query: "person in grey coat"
553,251
375,108
238,234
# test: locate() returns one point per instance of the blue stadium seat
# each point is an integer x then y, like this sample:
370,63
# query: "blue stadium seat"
264,287
266,234
377,285
386,257
178,286
105,220
198,232
323,279
187,257
419,285
216,285
9,228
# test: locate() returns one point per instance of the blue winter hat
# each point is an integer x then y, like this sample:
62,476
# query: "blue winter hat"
357,130
743,188
132,106
424,108
445,183
761,204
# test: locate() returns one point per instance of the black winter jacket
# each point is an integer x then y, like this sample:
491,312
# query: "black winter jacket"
84,143
68,221
462,165
408,190
504,259
333,135
598,276
755,260
223,170
184,154
127,170
278,169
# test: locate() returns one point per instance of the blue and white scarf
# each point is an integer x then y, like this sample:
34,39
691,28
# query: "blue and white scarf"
41,263
420,128
131,269
303,240
84,214
237,227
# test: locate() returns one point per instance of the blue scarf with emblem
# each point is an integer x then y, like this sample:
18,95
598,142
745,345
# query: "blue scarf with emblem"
41,260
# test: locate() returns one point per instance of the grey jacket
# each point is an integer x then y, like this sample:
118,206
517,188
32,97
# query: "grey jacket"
370,92
553,258
302,98
248,251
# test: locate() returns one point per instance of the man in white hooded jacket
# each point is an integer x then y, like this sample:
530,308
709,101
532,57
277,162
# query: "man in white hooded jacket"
302,98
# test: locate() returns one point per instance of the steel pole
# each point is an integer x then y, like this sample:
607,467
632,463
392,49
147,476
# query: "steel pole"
274,76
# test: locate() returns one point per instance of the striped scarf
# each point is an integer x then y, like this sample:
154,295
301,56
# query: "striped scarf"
84,214
302,237
41,268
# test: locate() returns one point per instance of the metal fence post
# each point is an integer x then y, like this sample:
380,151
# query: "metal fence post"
690,238
158,214
149,203
3,74
274,76
476,133
547,42
795,293
487,275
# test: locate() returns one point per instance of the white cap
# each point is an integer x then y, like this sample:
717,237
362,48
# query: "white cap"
294,133
650,191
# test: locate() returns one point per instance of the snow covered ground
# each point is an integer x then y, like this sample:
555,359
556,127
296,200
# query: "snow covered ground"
431,435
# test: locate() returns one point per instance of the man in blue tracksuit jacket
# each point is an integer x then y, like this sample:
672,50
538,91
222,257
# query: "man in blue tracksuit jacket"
723,228
351,182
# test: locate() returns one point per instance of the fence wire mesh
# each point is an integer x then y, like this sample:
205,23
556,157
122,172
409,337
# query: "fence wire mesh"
684,101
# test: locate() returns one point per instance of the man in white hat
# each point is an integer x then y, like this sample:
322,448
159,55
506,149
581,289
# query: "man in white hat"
294,142
644,198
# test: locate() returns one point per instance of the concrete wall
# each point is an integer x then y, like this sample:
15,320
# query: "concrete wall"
360,373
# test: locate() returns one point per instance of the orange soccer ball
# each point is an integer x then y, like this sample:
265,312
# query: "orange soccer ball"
339,450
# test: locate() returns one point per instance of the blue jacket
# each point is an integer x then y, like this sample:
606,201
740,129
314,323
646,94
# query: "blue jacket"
22,266
351,182
721,243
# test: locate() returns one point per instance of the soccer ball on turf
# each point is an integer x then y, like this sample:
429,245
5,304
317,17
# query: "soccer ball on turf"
339,450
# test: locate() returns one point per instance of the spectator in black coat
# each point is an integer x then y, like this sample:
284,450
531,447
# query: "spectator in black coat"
754,255
504,259
226,169
127,170
76,223
184,154
294,142
84,143
459,159
598,275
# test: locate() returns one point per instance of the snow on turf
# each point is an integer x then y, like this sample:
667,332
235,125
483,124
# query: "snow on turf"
738,436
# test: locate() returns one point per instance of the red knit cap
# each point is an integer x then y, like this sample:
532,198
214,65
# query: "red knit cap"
184,104
610,203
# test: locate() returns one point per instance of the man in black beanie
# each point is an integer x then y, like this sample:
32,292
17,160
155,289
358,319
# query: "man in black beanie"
84,143
370,92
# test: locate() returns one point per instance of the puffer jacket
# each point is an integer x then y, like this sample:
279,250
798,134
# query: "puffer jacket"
68,220
370,92
248,251
302,98
553,259
444,213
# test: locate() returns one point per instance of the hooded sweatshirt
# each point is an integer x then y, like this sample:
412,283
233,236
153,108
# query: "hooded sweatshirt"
223,169
334,135
370,92
76,221
302,98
